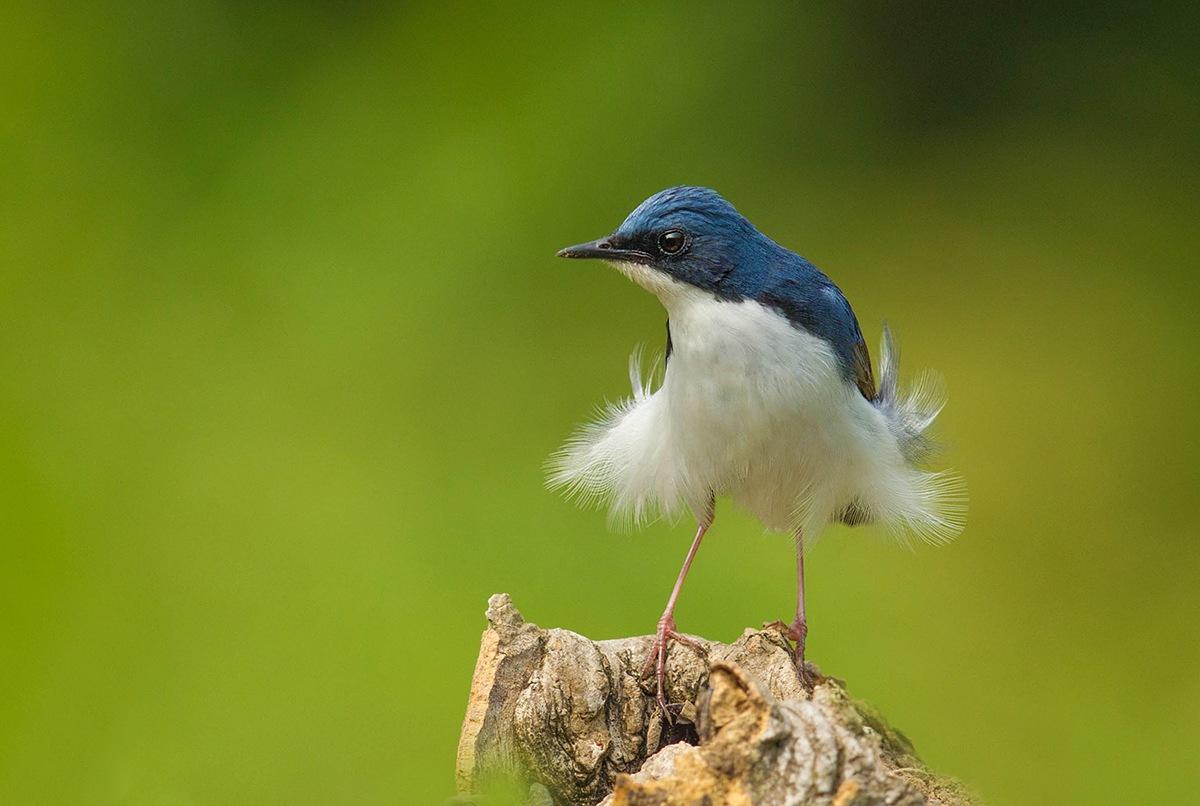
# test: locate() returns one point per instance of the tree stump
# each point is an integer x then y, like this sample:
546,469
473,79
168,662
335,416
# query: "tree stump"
572,719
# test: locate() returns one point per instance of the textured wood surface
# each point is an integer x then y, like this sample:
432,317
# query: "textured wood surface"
571,718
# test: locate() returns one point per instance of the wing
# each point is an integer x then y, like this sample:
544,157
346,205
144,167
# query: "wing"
810,300
863,377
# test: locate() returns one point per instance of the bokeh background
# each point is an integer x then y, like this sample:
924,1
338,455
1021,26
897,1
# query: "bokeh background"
284,345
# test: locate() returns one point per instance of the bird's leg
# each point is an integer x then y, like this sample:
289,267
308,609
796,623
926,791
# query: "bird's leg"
797,631
667,630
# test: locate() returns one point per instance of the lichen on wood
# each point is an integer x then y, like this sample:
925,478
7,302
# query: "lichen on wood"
572,717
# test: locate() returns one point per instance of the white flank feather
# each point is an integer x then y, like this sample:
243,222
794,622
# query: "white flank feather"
757,409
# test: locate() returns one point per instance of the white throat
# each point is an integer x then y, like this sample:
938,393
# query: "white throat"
671,293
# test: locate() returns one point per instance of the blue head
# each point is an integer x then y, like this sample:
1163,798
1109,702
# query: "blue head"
692,235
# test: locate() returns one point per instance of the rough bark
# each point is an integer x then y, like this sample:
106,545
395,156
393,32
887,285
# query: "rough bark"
572,717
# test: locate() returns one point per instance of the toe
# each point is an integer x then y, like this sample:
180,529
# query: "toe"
689,642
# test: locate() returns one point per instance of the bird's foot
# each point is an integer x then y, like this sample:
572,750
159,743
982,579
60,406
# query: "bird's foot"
657,660
796,632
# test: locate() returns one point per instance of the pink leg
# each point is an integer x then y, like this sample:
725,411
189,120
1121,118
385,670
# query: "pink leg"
800,625
667,631
798,629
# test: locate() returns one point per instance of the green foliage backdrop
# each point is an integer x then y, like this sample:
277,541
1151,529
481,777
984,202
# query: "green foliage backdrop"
284,344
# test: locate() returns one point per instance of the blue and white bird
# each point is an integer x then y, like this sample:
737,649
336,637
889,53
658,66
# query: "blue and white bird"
767,397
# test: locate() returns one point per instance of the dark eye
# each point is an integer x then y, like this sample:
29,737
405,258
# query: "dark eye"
672,242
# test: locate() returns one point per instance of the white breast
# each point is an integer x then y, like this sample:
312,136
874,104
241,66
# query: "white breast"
759,410
750,407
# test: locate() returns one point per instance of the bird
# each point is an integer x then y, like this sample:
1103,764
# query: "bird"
767,397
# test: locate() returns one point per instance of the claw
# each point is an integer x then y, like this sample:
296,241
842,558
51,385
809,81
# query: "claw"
657,658
796,632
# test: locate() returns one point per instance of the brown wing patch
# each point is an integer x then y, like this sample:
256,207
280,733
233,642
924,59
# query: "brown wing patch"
854,514
863,376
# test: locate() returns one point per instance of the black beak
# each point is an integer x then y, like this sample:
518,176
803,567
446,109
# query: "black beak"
603,249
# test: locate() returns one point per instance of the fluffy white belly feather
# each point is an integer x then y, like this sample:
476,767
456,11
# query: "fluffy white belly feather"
753,408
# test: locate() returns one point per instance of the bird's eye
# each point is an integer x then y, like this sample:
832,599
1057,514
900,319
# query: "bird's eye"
672,242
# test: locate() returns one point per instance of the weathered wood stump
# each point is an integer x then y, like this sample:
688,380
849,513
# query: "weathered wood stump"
572,718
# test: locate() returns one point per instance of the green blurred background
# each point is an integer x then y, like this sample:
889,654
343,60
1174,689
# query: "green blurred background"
285,344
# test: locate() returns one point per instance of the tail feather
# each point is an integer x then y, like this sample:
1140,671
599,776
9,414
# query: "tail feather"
930,504
909,415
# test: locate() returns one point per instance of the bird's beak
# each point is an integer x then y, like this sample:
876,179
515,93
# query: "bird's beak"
603,249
